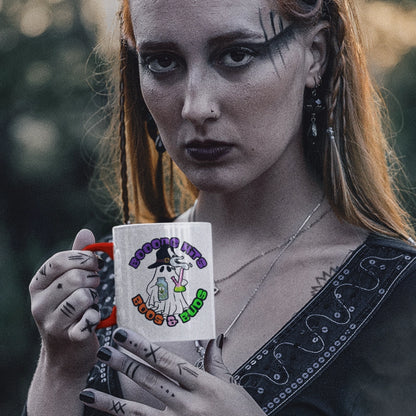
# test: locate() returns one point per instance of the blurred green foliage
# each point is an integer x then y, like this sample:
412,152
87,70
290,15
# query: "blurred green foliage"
49,99
50,122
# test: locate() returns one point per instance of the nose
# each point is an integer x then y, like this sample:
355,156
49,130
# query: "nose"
200,104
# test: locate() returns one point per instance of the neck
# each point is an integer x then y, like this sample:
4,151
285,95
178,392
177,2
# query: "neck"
268,209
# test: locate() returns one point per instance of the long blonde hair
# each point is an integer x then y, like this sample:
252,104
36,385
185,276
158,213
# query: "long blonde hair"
351,156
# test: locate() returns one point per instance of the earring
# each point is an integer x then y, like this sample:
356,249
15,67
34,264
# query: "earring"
160,147
154,134
314,106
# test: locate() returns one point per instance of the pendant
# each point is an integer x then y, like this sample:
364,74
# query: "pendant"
201,351
200,364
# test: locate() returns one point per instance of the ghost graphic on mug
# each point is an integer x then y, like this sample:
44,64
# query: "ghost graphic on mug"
166,288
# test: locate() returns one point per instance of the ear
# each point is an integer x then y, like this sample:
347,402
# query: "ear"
318,49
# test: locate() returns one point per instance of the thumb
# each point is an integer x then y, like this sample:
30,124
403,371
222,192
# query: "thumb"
82,239
213,362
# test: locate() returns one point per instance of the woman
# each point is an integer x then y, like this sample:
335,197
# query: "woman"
267,109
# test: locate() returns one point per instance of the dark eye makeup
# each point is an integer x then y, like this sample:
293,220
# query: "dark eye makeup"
233,57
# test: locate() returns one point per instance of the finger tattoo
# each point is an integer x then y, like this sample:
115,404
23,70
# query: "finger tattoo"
152,352
42,271
90,325
93,275
167,392
184,368
94,294
82,257
68,309
118,407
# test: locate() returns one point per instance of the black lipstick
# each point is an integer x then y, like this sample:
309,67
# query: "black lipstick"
207,150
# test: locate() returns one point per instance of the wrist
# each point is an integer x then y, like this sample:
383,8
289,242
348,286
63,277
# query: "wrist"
66,367
55,388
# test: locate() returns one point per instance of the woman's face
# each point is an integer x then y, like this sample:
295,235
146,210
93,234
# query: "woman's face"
224,81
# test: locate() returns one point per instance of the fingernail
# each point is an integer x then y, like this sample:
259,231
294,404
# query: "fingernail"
87,396
101,262
104,354
220,340
120,335
95,307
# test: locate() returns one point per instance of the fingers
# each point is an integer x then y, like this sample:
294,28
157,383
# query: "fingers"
74,306
115,406
155,383
83,239
46,301
68,313
61,263
213,362
64,285
174,367
86,325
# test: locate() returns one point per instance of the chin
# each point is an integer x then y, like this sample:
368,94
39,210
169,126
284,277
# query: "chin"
218,179
216,185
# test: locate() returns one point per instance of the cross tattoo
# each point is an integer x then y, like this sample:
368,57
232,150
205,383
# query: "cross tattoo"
89,326
152,353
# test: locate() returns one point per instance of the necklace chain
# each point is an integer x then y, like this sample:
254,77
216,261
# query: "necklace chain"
282,249
264,253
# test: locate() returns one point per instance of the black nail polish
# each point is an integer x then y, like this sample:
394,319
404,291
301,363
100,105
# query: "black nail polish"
120,335
104,354
220,340
87,396
95,307
100,261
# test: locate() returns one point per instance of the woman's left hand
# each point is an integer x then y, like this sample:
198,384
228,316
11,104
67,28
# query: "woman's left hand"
184,389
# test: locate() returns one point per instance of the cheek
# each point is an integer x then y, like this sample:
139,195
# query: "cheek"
272,101
161,102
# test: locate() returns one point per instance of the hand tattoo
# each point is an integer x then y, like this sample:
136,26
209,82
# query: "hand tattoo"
118,407
94,294
183,367
90,326
152,352
68,309
82,257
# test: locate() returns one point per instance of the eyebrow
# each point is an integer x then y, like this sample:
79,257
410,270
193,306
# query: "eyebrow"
237,35
234,36
154,44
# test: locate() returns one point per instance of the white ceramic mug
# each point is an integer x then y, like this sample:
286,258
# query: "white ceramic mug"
164,284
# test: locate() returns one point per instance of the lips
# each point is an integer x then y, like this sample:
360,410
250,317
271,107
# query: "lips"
207,150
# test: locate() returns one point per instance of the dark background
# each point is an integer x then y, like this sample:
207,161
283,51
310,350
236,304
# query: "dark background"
51,116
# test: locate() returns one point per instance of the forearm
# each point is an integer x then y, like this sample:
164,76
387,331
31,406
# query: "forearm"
55,390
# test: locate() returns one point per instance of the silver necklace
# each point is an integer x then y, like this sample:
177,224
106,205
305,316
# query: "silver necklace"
263,253
282,249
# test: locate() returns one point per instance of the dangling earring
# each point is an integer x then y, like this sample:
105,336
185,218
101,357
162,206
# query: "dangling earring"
154,134
313,105
160,147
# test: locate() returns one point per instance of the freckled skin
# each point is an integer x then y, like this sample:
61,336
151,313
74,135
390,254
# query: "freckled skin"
255,108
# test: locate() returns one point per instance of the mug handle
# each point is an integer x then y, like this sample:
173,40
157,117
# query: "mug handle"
107,248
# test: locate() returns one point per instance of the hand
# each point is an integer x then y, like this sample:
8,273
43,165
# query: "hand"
184,389
64,306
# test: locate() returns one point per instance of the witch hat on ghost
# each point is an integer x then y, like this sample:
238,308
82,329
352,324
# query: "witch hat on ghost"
162,257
